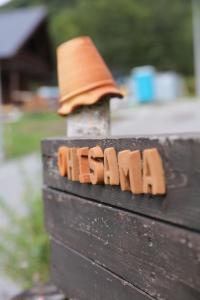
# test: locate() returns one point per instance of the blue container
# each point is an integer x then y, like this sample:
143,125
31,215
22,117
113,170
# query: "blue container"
144,84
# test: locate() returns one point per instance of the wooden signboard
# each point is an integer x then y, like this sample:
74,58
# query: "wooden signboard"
114,236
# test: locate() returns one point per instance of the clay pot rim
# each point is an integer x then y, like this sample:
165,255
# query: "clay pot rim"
69,106
88,88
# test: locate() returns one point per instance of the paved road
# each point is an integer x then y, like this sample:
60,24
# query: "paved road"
153,119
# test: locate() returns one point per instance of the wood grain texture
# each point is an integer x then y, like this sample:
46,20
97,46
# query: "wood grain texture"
158,258
80,278
181,159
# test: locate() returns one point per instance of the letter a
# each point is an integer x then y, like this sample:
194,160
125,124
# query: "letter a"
130,171
111,171
153,173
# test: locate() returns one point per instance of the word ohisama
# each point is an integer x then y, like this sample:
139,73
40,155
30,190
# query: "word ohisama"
140,172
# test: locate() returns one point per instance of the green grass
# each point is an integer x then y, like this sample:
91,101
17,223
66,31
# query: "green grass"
24,136
24,244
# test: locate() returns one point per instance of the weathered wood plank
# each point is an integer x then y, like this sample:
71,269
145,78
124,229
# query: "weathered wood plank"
81,279
181,158
160,259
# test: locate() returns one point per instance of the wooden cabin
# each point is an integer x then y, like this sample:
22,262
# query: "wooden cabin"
25,50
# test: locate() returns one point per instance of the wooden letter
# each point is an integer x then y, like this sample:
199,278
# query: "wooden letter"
153,173
62,160
130,171
84,170
111,171
95,157
73,167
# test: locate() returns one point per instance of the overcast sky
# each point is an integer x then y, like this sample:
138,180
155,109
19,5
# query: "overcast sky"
3,2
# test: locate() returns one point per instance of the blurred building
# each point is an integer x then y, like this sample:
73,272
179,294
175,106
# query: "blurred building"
25,50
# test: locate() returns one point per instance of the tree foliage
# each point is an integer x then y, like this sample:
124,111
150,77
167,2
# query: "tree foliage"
127,32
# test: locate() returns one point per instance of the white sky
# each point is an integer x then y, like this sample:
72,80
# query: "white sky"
2,2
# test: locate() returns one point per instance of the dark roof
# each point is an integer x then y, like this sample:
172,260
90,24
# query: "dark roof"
16,26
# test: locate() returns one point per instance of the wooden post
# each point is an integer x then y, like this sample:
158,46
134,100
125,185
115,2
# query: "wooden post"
87,121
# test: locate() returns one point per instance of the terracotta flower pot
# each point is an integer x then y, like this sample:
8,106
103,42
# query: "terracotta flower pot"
83,75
